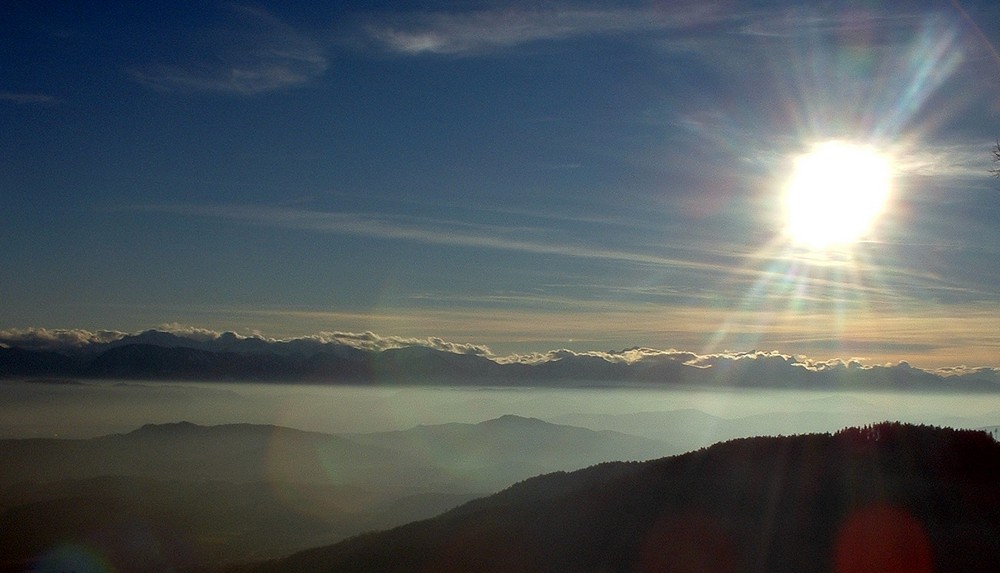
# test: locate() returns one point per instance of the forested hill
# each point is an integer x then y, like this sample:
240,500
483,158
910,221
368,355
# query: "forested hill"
889,497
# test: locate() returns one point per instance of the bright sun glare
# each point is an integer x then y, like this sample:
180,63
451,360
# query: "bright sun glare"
835,195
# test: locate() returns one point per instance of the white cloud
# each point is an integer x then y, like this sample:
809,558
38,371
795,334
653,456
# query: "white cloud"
944,160
375,342
628,356
542,357
28,98
257,53
56,338
669,366
465,33
720,358
490,29
961,373
74,339
194,332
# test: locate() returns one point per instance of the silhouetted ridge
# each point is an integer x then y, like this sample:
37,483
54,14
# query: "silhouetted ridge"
156,355
514,421
182,427
923,497
23,362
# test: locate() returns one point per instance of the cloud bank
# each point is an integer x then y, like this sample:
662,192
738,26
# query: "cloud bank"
181,352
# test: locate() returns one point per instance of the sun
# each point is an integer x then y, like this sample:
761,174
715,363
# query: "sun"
836,193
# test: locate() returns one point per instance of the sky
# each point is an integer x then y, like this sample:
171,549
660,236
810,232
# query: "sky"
523,176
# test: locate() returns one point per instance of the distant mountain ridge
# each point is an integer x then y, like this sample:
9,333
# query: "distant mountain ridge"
499,452
243,491
158,355
887,497
511,448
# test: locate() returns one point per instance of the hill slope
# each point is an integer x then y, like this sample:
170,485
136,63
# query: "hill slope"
499,452
891,497
232,452
240,492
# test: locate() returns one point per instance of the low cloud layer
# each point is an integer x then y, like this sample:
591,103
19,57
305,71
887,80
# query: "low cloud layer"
374,342
229,355
57,340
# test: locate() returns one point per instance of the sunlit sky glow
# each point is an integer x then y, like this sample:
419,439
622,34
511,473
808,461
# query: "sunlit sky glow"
523,176
836,194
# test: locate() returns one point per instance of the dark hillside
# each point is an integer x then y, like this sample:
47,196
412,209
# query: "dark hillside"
891,497
242,492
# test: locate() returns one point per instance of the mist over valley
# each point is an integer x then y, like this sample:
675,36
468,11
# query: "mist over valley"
221,473
569,286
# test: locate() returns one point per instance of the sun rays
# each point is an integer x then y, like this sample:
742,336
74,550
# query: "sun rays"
835,204
835,195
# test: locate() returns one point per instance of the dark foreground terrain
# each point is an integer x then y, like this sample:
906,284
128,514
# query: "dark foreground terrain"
890,497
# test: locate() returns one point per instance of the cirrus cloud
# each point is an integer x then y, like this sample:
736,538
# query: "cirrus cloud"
256,53
479,31
24,98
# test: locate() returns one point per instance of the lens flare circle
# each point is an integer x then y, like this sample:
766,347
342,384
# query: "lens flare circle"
835,194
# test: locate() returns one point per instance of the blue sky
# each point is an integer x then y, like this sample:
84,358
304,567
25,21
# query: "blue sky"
523,176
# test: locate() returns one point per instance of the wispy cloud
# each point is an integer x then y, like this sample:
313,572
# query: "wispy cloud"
256,53
695,272
23,98
430,231
951,160
802,22
466,33
485,30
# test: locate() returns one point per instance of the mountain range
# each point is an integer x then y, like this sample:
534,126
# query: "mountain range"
158,355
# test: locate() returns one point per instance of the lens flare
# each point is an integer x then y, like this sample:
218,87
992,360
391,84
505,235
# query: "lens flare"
73,557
